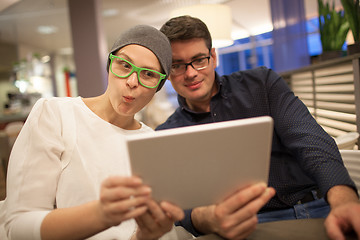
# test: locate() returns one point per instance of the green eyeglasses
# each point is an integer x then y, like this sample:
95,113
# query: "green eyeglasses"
122,68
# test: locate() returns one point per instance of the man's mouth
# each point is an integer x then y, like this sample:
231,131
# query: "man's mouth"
194,85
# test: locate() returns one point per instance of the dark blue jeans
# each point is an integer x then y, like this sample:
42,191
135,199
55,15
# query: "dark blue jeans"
315,209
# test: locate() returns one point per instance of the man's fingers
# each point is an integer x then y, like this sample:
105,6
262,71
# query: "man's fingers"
244,229
241,198
333,230
342,220
248,211
253,206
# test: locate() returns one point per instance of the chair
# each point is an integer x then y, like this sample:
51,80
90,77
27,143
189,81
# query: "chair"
4,151
13,129
351,160
347,141
2,216
7,140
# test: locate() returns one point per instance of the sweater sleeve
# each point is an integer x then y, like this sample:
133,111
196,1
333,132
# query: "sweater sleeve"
34,170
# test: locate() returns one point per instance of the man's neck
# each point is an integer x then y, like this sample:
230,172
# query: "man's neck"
200,106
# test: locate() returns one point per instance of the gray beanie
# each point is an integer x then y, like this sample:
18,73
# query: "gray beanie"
150,38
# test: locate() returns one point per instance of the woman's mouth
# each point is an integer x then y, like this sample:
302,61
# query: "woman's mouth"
128,99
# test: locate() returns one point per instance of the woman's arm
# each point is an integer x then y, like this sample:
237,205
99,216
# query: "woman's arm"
33,172
121,198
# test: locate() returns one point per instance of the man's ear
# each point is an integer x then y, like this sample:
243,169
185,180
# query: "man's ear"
214,56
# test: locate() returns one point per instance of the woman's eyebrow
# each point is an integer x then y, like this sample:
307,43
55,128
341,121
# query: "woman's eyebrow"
126,57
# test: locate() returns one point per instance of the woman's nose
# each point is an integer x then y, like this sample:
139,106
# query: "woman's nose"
132,80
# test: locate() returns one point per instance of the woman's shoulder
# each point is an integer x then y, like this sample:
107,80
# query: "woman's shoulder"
56,102
52,106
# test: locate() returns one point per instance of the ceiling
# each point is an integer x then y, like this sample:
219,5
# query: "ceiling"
19,20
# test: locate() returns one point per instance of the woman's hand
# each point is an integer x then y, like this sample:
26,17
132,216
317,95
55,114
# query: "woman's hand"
122,198
157,220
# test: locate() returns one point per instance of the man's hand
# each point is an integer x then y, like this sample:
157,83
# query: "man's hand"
345,212
235,217
158,220
343,219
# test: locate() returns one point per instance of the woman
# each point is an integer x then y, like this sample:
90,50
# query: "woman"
68,175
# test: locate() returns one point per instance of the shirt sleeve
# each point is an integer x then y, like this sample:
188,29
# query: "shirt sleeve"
187,224
34,170
315,150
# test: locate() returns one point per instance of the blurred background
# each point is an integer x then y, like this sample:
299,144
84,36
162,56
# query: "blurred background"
39,40
59,48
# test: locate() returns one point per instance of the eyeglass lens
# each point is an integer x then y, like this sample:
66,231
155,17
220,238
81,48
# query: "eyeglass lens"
197,64
123,68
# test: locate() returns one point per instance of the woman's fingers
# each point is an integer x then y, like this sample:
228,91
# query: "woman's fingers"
172,211
158,220
123,192
122,198
114,188
126,204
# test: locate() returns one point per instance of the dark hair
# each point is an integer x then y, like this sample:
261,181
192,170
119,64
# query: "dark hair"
185,28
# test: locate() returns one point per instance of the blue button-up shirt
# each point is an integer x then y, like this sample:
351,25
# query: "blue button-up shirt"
303,157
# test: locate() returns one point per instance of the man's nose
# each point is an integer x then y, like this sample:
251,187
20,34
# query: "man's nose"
190,70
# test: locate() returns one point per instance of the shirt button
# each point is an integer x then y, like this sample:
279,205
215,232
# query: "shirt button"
214,114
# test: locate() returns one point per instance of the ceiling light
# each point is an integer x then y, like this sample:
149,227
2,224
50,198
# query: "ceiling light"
220,26
47,29
45,59
110,12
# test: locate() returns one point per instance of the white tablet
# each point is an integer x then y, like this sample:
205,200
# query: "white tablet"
198,165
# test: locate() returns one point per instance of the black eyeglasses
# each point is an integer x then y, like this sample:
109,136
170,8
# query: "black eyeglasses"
197,64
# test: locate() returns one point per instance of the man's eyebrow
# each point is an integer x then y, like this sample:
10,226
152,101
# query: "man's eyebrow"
192,58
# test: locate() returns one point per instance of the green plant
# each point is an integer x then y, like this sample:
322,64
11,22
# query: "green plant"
333,27
352,14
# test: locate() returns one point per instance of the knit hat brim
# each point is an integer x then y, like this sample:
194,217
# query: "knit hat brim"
150,38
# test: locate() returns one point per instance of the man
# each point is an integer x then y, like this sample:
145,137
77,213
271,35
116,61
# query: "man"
306,167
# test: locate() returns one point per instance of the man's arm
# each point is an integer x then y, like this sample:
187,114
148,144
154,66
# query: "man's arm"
345,212
338,195
235,217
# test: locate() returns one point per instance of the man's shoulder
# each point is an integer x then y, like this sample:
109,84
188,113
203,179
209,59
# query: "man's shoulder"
258,71
259,75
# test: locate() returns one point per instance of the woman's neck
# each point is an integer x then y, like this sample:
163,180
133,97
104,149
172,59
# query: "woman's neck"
102,107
